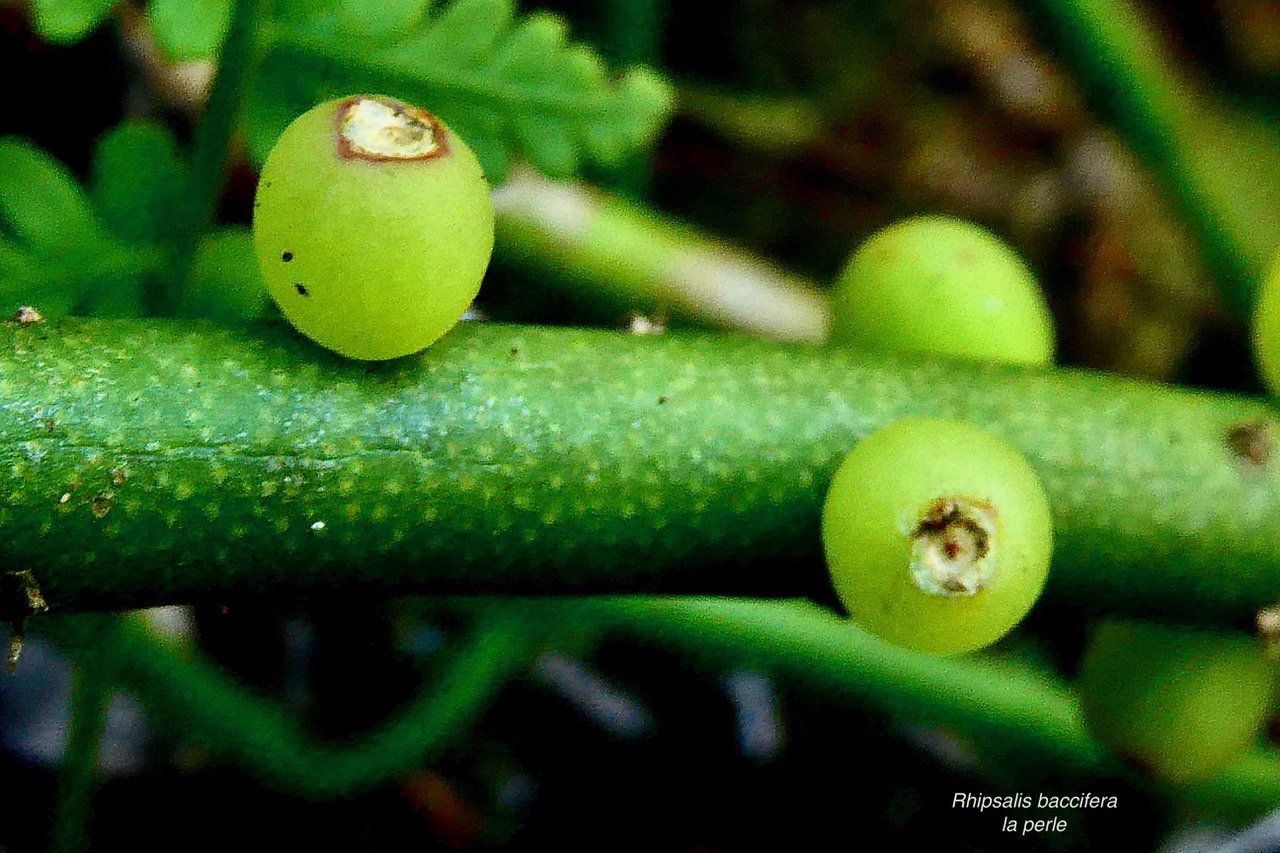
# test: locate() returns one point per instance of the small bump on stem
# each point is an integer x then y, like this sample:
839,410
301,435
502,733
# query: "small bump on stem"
26,316
1253,442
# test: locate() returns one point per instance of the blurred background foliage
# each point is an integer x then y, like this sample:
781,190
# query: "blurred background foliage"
799,128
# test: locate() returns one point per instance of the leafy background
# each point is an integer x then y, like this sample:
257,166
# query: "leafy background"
1129,155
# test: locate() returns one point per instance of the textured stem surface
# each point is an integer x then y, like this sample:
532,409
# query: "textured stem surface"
152,462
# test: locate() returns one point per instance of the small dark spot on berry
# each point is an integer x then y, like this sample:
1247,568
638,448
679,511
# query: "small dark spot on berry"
286,257
662,399
515,351
302,289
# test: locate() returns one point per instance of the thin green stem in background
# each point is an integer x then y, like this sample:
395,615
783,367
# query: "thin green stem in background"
212,145
1000,706
193,697
1220,165
633,36
612,250
1006,712
163,461
77,781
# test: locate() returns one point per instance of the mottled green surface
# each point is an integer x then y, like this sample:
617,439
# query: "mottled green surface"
151,462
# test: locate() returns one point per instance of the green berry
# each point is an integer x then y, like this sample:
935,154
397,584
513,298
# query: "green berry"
942,285
937,535
1178,702
373,226
1266,329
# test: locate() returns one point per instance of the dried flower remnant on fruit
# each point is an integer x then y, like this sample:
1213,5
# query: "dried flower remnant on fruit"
951,548
383,129
26,316
1253,442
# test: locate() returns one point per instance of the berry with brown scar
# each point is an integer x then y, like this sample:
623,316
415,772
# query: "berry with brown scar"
373,226
937,534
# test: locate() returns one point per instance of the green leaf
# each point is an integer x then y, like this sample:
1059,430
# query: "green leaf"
112,297
225,283
511,87
26,280
186,30
68,21
382,19
137,181
40,202
54,252
292,11
18,266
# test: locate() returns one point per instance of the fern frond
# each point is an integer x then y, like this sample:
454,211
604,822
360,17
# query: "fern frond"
513,87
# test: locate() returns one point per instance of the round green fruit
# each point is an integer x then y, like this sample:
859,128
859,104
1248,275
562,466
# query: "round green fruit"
942,285
1180,703
373,226
938,535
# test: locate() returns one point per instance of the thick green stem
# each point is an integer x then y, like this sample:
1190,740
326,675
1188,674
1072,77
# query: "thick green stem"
153,462
192,696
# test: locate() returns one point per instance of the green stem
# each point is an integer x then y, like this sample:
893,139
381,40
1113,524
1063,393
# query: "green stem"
634,31
212,146
196,699
633,36
1219,166
1241,792
1002,706
152,462
93,683
622,253
1006,712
